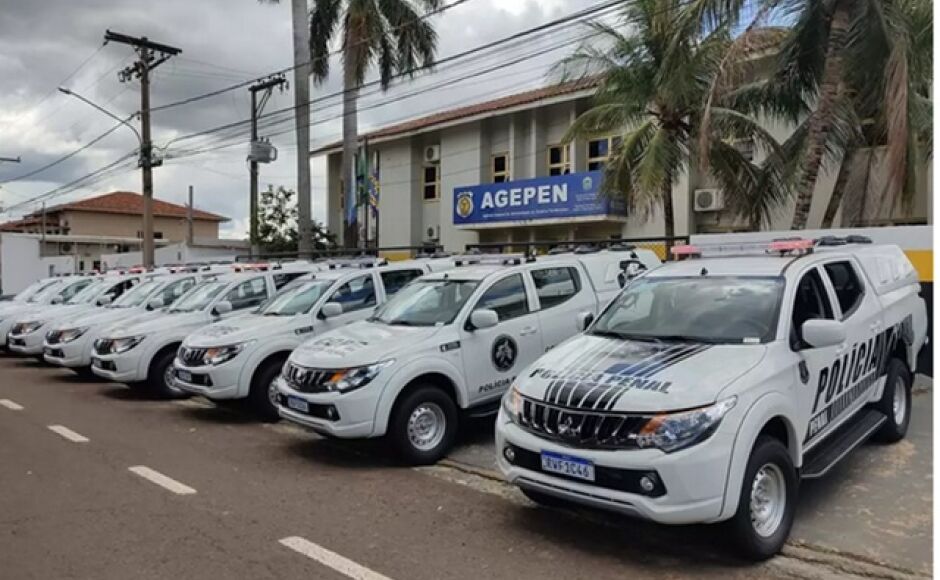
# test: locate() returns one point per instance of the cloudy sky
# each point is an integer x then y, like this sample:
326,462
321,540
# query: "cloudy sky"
48,43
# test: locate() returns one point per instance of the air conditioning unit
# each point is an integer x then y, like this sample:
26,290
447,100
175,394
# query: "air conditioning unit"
708,200
432,154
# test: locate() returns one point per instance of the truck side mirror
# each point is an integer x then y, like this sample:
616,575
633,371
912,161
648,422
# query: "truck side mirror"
820,333
57,299
103,300
155,304
585,319
331,310
630,269
483,318
222,307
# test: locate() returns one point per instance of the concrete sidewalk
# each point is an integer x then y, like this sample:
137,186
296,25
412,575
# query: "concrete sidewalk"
876,506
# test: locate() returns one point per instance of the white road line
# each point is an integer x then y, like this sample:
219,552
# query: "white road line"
161,480
331,559
10,405
67,433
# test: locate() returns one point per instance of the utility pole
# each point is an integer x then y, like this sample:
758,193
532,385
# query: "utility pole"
189,219
261,151
150,56
43,225
301,30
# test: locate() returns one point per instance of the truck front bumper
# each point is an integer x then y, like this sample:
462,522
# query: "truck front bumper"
28,344
344,415
120,368
213,382
73,354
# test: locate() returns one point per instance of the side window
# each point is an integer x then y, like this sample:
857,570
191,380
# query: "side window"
176,289
281,280
811,302
555,285
507,297
356,294
848,287
248,294
396,280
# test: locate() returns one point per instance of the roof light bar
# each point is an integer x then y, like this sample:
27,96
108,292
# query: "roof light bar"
492,259
794,246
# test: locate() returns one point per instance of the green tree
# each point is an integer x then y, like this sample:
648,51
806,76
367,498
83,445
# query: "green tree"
393,35
277,223
654,78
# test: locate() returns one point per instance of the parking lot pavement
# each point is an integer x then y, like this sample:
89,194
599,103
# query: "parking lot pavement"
132,488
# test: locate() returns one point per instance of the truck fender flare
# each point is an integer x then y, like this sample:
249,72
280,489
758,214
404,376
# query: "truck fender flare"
760,412
248,370
146,359
404,377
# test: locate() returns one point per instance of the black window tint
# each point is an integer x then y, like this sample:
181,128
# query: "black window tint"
395,281
507,297
846,284
555,285
811,302
356,294
281,280
176,289
248,294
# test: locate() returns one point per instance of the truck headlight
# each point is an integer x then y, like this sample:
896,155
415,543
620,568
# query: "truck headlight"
122,345
217,355
674,431
70,334
512,403
354,378
28,327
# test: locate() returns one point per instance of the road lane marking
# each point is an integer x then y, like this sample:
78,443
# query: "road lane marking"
330,559
11,405
161,480
67,433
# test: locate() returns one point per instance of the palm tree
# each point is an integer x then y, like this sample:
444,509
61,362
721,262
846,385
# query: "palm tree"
393,35
653,82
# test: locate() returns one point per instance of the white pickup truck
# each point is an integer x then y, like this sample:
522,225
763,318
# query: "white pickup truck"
141,354
240,358
449,341
27,333
37,297
69,343
711,385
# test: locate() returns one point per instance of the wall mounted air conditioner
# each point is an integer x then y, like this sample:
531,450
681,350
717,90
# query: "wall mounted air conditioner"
708,200
432,154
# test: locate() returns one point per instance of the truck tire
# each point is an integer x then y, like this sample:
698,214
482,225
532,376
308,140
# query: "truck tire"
260,396
895,403
158,376
423,425
767,504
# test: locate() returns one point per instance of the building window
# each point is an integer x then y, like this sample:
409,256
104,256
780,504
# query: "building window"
431,184
599,151
500,167
559,161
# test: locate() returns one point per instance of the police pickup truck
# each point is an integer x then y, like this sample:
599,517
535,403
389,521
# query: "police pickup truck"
712,385
240,358
28,331
38,296
141,354
450,340
69,343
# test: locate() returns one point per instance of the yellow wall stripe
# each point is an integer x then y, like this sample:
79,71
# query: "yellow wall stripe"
923,263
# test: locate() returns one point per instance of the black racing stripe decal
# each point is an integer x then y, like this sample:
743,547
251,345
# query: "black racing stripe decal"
632,369
677,359
661,362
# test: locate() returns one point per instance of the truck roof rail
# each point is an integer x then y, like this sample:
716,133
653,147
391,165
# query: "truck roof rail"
473,259
827,241
365,262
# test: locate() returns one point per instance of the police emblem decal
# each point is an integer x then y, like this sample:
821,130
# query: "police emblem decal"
587,183
505,352
465,204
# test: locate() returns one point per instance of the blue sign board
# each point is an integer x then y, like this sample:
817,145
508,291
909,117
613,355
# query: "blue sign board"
556,197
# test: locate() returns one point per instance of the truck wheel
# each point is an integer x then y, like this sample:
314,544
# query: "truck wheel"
263,396
160,376
423,425
768,501
895,403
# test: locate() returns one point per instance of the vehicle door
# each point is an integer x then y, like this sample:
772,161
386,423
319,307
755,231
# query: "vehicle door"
492,357
357,296
562,296
868,342
817,368
248,294
395,280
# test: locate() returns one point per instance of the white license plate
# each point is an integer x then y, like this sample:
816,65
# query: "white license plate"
567,465
184,376
298,404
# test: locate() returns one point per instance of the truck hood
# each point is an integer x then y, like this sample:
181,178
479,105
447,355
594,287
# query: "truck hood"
102,317
359,344
636,376
156,322
55,313
242,329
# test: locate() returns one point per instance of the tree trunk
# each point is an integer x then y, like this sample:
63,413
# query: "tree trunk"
350,138
855,213
669,218
301,33
820,122
838,190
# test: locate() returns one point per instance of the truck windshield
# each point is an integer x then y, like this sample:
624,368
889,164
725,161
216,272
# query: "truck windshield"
136,295
199,297
34,289
426,303
88,293
728,310
296,298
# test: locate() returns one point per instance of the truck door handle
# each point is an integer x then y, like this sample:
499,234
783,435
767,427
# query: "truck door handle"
527,331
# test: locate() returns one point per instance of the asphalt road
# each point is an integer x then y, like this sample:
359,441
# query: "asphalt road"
121,487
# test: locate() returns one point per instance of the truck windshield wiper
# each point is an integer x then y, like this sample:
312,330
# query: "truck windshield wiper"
610,334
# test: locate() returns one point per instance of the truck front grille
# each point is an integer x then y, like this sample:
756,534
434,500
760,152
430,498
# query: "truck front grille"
306,380
583,428
191,357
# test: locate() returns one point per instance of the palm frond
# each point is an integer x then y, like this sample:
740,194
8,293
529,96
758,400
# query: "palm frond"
324,19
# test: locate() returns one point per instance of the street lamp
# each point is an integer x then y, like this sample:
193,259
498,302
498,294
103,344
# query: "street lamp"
146,164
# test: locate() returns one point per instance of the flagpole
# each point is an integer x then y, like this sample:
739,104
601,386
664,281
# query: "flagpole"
366,177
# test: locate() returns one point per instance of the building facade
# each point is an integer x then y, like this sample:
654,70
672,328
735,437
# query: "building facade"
498,172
